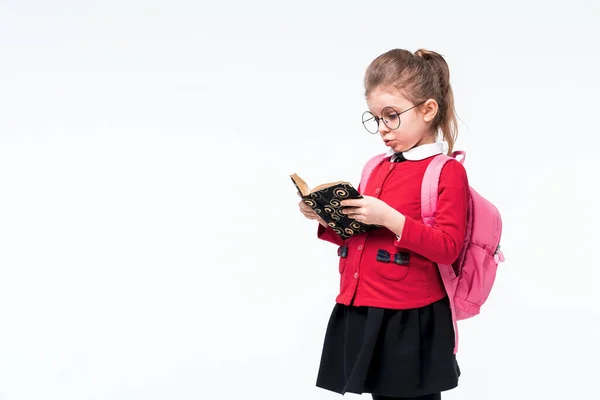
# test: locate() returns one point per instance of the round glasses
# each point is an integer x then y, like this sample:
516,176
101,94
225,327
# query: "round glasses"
389,116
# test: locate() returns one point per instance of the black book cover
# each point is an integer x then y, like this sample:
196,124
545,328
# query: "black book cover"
325,201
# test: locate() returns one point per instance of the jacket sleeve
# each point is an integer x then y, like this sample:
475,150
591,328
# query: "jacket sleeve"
329,235
441,242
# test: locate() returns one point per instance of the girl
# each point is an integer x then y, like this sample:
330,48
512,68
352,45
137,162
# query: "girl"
390,333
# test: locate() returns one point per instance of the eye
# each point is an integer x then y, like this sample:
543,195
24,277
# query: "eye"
391,117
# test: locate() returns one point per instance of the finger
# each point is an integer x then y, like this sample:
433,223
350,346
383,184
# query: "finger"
352,213
304,206
357,217
352,202
309,214
351,210
305,211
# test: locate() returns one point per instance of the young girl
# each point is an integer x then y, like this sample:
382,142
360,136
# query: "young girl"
391,333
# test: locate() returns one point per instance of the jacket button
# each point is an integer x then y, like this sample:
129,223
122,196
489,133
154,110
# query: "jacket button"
356,275
391,166
377,190
360,247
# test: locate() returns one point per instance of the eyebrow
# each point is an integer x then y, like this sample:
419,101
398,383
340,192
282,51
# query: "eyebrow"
398,109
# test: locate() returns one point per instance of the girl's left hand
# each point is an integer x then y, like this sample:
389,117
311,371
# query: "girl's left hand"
369,210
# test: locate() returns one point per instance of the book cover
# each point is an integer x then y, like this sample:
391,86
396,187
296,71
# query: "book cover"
325,200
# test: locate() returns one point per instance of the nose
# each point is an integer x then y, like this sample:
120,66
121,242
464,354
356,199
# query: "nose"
383,128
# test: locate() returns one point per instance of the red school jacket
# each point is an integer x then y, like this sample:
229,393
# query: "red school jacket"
367,281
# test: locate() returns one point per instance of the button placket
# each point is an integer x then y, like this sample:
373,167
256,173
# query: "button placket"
359,248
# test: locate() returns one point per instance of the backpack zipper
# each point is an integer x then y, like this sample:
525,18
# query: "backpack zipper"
497,250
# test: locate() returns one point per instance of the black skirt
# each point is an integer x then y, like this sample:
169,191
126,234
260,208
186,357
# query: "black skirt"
396,353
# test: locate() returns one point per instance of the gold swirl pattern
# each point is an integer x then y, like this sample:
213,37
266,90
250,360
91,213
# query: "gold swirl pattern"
311,203
341,193
326,203
316,195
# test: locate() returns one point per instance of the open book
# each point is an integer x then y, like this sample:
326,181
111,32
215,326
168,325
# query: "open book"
325,201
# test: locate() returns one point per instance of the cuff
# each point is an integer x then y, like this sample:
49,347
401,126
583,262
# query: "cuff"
403,238
329,235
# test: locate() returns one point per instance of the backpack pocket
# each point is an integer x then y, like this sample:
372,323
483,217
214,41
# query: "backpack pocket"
476,279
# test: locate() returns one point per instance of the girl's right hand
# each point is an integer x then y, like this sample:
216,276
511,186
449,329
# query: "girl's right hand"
310,213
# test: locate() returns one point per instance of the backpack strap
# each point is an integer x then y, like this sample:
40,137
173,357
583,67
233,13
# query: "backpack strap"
429,195
459,153
431,180
368,169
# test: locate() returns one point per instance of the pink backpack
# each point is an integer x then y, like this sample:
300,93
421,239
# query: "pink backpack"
469,280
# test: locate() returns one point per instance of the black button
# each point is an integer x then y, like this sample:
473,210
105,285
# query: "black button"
401,258
383,256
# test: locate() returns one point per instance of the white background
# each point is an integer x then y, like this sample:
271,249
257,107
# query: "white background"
150,242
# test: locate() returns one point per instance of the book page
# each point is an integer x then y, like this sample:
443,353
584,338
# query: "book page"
325,186
300,185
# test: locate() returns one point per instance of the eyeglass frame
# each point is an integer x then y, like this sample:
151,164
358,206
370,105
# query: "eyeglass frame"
377,119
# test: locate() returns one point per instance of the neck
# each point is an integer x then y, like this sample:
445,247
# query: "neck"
426,139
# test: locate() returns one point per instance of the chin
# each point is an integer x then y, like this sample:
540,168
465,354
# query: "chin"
399,148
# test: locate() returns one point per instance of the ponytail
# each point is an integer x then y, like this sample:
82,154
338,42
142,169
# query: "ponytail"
445,120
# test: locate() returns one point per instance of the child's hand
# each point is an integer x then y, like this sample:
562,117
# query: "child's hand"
369,210
310,213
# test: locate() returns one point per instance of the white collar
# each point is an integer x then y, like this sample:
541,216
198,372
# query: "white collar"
421,152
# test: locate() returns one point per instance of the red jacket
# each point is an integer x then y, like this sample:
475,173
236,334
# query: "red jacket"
365,281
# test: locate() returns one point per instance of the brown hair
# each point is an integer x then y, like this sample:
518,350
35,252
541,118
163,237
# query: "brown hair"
418,77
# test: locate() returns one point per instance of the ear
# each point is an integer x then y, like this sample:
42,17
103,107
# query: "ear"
429,109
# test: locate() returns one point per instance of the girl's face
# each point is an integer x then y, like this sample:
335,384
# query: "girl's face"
414,126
